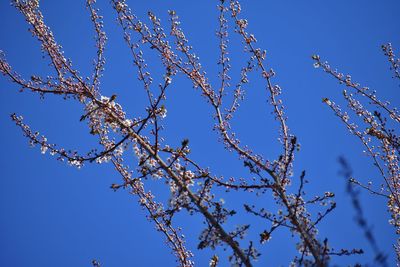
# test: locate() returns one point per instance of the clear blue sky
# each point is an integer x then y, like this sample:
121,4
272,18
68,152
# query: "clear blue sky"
55,215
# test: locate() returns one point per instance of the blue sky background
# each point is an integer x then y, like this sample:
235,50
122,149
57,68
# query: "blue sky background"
55,215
